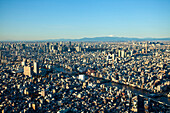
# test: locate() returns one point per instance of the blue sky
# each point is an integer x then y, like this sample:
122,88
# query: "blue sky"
52,19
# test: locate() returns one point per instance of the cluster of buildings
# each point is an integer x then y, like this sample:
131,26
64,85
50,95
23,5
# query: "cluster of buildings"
67,76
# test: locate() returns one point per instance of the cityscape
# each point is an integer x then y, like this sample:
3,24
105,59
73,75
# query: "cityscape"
77,77
84,56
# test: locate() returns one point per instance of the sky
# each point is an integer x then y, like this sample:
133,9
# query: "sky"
57,19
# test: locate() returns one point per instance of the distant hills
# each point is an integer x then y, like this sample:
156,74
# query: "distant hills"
106,39
96,39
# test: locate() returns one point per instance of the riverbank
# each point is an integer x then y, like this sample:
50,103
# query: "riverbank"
162,100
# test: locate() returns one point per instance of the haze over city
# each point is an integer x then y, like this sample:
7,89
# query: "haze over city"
73,19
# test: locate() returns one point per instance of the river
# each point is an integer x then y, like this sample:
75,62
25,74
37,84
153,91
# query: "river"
137,91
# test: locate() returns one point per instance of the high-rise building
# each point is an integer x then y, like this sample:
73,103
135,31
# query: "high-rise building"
146,50
69,43
113,56
143,51
123,53
36,68
119,53
47,47
27,70
50,47
131,53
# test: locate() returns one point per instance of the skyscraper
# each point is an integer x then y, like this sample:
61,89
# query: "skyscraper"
36,68
69,43
113,56
123,53
27,70
131,52
146,50
119,53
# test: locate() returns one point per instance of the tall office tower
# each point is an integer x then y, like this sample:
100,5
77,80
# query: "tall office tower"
113,56
50,47
44,48
27,70
47,47
69,43
123,53
36,68
119,53
146,47
131,52
143,51
53,48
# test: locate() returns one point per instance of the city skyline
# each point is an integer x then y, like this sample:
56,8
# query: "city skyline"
77,77
40,20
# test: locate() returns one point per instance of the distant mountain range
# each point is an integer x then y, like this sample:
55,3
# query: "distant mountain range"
106,39
97,39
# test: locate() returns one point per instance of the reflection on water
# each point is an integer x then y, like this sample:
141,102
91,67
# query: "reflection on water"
164,99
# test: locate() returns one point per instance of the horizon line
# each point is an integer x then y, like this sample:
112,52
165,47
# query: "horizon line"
86,37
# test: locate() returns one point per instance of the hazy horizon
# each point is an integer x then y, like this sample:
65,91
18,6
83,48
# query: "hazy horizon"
96,39
65,19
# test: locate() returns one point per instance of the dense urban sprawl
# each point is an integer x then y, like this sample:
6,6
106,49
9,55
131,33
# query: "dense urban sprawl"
71,76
